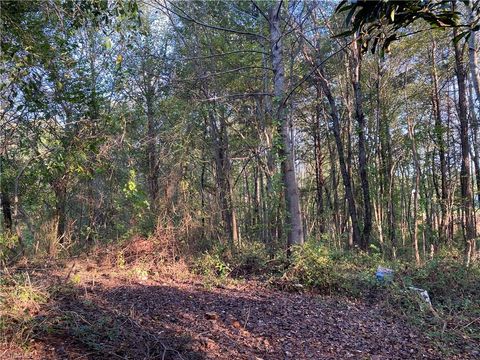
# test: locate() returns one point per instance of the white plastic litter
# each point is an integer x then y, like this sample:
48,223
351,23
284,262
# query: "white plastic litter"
423,294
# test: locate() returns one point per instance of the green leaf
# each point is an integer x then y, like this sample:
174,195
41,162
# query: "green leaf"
108,43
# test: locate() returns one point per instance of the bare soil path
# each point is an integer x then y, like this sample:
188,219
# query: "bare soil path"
110,317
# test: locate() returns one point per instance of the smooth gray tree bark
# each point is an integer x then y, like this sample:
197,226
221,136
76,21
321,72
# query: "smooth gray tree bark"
292,197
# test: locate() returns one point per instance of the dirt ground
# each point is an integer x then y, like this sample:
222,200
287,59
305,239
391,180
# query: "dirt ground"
105,316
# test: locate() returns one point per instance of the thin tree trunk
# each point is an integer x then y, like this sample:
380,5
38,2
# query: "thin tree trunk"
476,155
475,126
411,133
386,163
475,83
362,155
334,185
151,153
60,190
347,182
466,193
292,198
319,178
222,167
440,144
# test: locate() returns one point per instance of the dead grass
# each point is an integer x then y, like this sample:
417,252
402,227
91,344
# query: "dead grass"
20,301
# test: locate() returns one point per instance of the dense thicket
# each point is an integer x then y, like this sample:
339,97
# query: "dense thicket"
213,123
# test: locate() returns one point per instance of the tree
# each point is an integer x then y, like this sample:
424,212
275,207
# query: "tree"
381,23
292,199
362,156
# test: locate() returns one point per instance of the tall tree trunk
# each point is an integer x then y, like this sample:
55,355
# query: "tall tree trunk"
151,152
292,199
476,155
362,155
264,113
387,164
466,192
334,185
60,191
323,84
440,144
449,141
319,178
411,133
475,125
347,181
222,171
475,82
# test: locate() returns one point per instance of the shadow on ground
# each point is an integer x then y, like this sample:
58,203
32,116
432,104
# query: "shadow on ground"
81,323
186,321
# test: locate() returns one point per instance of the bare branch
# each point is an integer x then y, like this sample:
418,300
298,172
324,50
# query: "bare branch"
188,17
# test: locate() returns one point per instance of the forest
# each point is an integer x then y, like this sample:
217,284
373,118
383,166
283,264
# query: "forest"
245,179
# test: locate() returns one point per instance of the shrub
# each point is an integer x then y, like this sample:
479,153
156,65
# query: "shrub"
331,272
20,301
212,265
251,259
8,242
454,291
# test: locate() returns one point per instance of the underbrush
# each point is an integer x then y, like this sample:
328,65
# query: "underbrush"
29,289
331,272
20,302
452,320
220,265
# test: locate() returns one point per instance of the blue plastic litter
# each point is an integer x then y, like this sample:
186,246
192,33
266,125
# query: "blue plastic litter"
384,275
